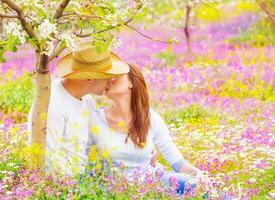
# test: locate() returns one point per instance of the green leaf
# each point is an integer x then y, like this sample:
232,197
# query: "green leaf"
2,58
101,46
102,41
100,11
12,43
32,42
80,23
41,13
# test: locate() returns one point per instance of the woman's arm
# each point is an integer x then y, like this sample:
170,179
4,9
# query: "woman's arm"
168,148
188,168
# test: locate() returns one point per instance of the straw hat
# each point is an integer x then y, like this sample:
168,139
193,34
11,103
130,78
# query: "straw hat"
86,63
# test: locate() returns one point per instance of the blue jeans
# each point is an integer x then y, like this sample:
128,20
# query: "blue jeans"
183,187
184,182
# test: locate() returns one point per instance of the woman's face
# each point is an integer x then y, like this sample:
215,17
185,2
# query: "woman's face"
119,86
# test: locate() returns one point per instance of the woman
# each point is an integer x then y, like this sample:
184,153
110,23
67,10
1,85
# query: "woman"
129,130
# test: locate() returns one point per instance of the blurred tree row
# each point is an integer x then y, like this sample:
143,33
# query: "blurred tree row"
187,13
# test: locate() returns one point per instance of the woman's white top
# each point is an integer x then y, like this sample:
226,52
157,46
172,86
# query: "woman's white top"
127,154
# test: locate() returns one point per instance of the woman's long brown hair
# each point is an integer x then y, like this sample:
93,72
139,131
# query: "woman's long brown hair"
140,108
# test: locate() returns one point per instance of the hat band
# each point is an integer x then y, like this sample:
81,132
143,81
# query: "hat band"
93,62
101,65
89,75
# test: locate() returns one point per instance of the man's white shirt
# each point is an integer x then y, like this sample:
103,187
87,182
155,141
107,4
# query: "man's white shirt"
67,130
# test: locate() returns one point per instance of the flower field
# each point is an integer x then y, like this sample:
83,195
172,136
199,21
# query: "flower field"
218,101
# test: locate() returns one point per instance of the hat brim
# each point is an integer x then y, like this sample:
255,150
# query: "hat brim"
64,68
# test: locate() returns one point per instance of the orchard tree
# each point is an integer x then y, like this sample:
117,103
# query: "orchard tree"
176,13
48,27
268,6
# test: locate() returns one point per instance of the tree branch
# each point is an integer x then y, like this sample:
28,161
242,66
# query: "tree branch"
3,40
59,48
268,12
60,9
119,24
203,3
26,26
77,16
2,15
146,36
47,5
109,28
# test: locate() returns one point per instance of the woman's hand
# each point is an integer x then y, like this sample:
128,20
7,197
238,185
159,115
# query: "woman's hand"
202,176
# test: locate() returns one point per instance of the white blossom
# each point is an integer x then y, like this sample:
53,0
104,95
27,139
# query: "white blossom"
175,40
15,29
47,28
69,39
145,2
11,27
214,193
116,5
252,180
50,48
116,43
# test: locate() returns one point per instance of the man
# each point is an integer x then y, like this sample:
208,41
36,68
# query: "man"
82,72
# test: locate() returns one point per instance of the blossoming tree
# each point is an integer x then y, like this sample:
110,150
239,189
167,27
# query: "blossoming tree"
48,27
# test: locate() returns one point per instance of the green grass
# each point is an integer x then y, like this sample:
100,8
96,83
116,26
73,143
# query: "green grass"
12,165
261,33
191,114
16,95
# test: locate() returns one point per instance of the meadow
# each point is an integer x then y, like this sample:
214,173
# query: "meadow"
218,103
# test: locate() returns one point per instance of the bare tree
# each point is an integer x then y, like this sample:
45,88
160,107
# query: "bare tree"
187,26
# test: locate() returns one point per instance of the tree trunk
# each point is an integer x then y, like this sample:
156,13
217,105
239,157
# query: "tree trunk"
1,26
42,97
268,11
186,28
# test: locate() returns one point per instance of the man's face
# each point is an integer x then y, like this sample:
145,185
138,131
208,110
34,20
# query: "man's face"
97,86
